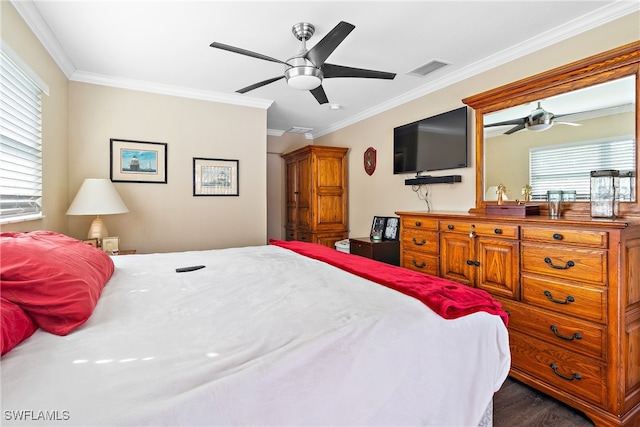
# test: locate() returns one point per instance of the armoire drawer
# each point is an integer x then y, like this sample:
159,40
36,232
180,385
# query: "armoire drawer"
420,241
581,301
591,238
575,335
585,265
578,375
418,261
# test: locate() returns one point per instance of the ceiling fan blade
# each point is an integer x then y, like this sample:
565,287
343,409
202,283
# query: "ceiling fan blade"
259,84
514,129
321,51
566,123
331,70
245,52
508,122
319,94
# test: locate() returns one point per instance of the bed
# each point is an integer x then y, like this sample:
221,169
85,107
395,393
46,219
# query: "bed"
287,333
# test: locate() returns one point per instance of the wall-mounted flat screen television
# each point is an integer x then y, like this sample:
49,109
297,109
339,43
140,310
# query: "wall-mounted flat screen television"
431,144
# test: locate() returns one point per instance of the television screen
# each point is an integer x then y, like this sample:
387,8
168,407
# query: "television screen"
431,144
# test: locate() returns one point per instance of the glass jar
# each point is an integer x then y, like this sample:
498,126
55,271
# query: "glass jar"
605,187
554,197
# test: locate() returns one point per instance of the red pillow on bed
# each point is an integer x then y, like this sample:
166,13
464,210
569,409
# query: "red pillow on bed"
15,325
56,279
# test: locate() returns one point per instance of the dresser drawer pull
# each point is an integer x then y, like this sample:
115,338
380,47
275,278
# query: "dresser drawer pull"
450,227
498,231
575,336
557,301
422,264
418,223
415,242
574,376
557,236
472,262
569,264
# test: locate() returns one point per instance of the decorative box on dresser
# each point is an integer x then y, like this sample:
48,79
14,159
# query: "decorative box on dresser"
316,194
572,291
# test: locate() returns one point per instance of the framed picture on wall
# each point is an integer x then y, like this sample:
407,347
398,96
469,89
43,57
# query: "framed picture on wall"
138,161
392,228
215,177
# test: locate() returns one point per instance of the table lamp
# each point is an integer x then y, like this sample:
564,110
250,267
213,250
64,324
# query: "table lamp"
97,197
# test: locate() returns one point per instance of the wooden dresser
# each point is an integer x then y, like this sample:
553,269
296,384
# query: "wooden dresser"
316,194
572,291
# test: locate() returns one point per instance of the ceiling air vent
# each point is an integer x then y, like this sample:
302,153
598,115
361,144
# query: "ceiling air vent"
428,68
298,129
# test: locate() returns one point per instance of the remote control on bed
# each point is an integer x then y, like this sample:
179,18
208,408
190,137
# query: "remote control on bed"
192,268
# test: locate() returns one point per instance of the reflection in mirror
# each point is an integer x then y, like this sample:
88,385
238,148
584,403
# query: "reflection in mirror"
554,143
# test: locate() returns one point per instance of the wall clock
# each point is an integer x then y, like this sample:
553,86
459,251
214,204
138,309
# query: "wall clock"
370,160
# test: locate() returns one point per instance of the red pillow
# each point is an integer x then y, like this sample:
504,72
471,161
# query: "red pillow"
15,324
56,279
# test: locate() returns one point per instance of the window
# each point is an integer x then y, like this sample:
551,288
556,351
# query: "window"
569,166
20,140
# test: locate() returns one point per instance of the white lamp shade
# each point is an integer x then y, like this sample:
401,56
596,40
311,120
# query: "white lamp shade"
97,197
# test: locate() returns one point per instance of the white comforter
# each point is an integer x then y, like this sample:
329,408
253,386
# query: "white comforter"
261,336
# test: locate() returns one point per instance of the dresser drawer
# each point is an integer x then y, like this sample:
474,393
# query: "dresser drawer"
594,239
418,261
420,241
586,265
572,334
585,302
481,228
578,375
419,222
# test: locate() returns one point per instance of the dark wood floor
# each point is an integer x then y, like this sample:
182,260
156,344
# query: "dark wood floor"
519,405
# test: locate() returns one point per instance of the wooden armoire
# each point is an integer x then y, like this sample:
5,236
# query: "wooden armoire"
316,194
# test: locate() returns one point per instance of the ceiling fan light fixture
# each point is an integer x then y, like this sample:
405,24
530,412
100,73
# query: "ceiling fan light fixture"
539,127
303,78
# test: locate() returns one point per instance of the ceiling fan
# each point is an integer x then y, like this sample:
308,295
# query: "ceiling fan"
537,121
307,68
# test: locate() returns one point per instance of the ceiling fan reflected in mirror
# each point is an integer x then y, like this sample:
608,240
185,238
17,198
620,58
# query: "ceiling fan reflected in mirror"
307,68
538,120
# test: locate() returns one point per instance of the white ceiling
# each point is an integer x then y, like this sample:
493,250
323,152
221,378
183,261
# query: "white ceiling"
163,46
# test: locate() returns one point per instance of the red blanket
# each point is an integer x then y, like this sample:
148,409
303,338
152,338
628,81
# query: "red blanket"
447,298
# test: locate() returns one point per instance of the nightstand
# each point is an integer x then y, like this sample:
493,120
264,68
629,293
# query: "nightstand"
385,250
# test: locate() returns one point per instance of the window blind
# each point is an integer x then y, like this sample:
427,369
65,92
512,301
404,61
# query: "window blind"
569,166
20,143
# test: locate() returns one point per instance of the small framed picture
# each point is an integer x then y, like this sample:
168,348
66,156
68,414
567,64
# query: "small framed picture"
111,245
138,161
378,226
391,228
215,177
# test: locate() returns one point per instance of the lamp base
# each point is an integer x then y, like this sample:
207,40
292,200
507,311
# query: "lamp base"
98,229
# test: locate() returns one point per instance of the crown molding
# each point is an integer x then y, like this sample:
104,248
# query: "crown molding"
31,16
145,86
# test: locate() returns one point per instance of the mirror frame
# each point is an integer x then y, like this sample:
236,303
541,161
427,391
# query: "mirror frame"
610,65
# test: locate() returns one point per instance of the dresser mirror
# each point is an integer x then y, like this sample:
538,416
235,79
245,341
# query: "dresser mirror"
548,131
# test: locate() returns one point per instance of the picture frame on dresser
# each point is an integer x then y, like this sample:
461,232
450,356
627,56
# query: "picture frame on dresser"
111,245
378,226
391,228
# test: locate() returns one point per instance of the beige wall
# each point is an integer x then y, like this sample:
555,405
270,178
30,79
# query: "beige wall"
54,121
167,217
383,193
